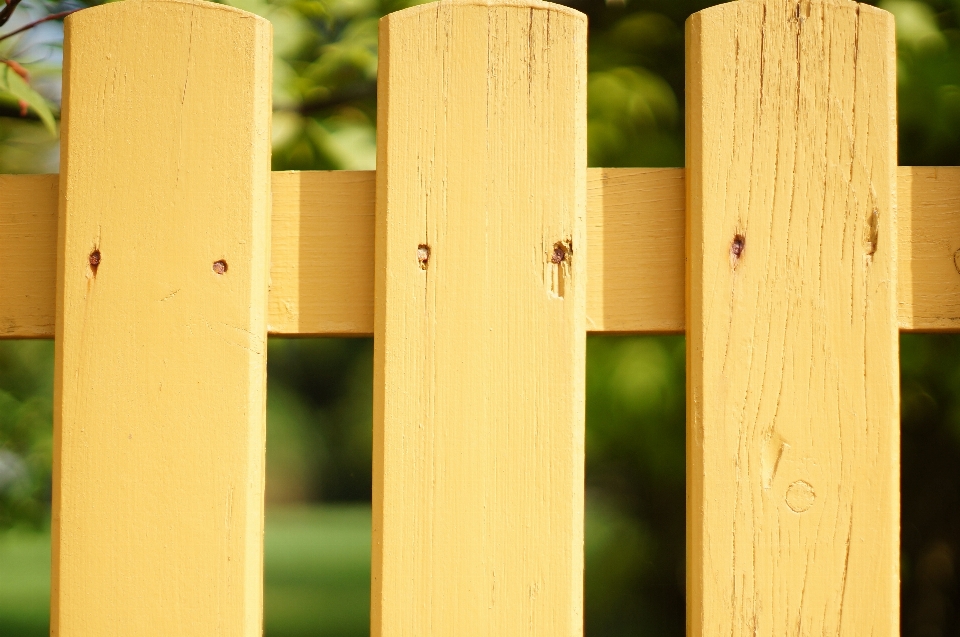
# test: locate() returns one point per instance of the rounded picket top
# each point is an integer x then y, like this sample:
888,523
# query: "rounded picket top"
525,5
116,9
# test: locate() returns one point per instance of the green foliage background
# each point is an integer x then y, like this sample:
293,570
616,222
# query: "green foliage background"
319,405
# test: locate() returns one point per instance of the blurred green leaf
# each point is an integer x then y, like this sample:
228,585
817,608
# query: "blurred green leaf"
916,25
16,87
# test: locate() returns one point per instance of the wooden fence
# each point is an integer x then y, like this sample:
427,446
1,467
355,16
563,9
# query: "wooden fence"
791,251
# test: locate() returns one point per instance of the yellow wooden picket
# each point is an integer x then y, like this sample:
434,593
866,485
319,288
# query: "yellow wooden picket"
479,323
793,377
479,254
160,381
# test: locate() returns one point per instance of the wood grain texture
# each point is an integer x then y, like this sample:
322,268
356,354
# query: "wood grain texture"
160,360
479,337
792,336
322,252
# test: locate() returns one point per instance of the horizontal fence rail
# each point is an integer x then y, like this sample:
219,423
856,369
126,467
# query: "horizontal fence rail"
322,255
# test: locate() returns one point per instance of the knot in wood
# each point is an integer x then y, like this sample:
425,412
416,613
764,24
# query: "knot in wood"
800,496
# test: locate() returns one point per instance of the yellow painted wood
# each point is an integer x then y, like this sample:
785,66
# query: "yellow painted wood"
479,321
160,358
792,339
28,238
322,266
635,220
321,277
929,270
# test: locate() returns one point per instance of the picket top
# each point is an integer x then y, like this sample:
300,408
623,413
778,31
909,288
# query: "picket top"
131,5
535,5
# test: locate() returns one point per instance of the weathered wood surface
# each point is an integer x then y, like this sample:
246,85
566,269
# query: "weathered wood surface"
161,322
479,337
322,253
792,335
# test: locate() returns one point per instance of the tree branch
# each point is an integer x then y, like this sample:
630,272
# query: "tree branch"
7,11
30,25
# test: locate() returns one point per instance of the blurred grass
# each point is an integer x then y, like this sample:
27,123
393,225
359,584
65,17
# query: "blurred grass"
24,583
316,574
317,571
